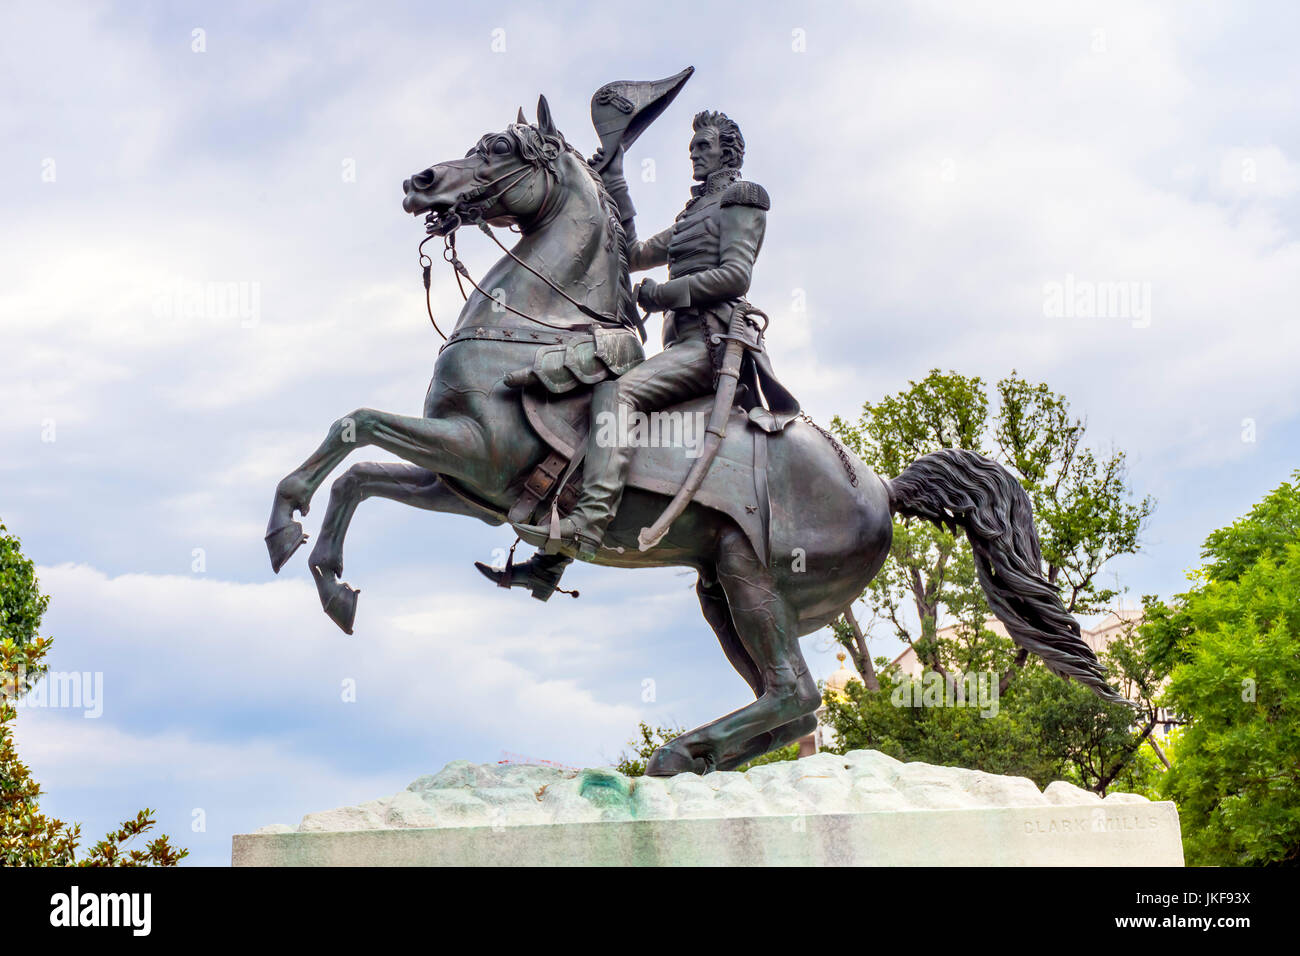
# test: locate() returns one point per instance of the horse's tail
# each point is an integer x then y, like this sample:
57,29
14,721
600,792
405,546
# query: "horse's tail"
959,488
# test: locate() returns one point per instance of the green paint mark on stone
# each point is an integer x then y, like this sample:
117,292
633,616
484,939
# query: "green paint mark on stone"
606,789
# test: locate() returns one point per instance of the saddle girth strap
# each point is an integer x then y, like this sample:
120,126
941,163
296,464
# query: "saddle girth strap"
539,485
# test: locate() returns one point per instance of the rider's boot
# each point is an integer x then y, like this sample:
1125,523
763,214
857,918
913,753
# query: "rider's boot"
604,473
540,574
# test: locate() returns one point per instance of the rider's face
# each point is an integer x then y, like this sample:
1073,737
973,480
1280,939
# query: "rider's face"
706,153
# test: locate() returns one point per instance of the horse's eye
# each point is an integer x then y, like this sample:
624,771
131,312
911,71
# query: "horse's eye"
501,147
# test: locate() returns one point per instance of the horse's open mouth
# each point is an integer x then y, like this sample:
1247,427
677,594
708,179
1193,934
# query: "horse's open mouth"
440,220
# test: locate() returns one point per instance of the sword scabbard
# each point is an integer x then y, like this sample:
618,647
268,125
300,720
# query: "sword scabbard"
728,377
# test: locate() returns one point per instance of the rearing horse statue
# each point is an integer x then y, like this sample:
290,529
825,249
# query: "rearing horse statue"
827,517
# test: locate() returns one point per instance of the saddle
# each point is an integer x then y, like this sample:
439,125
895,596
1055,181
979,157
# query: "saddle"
736,484
556,396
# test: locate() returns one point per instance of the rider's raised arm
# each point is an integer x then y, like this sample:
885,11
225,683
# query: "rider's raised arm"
640,255
743,221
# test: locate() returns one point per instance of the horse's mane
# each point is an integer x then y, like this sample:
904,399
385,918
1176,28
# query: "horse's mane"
626,304
545,150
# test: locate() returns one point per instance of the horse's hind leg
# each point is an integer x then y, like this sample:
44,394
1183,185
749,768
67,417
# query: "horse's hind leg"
408,484
765,624
755,747
713,602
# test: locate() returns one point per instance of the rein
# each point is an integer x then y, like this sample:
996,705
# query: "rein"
469,208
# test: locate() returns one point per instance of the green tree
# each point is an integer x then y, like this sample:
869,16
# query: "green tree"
862,719
1043,728
1095,743
21,603
1082,504
1234,638
1086,515
27,836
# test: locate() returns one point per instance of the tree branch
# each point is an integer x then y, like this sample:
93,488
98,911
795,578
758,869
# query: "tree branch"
861,657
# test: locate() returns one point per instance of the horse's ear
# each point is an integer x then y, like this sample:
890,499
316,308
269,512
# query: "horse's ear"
522,120
544,121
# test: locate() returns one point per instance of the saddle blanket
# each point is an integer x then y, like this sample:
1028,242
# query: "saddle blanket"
667,444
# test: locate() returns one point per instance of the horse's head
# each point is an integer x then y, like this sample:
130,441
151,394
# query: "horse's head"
507,178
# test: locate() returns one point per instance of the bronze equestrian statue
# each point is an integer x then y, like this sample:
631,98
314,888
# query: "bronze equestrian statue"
783,526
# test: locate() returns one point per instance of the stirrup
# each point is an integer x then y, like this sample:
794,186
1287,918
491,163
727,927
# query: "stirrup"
577,545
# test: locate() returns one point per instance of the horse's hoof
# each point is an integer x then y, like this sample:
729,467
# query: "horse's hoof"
337,598
342,609
283,542
341,606
669,761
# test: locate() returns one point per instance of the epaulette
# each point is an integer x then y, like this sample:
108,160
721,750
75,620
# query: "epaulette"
741,193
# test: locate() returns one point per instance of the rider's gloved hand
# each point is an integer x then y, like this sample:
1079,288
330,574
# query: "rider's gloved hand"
661,296
646,295
614,171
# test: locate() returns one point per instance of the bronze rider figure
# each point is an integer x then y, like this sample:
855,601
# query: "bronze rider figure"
710,252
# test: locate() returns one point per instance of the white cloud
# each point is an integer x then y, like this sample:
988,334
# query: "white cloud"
431,660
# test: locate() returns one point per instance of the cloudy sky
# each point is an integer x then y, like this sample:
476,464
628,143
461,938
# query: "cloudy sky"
936,169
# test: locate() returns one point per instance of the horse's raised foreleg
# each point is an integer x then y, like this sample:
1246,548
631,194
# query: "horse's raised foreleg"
441,445
767,627
408,484
713,602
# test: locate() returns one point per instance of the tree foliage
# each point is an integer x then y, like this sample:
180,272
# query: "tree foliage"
1042,727
1235,640
27,836
862,719
1086,515
1083,507
1096,744
21,603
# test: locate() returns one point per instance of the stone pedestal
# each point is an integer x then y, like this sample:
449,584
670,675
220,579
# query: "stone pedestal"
862,809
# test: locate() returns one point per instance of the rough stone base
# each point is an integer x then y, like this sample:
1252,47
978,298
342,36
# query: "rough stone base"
861,809
1061,836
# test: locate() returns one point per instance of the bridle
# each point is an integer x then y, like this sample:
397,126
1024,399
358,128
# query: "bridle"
469,208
